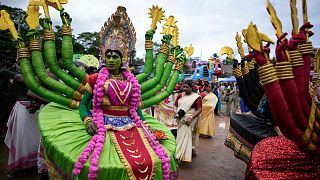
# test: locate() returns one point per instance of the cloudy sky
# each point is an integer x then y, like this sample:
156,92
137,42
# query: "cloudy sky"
207,24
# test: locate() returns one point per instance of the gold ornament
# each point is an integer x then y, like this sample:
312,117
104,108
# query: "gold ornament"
253,38
157,15
294,16
169,26
6,23
119,34
274,19
33,14
227,50
239,45
189,50
175,36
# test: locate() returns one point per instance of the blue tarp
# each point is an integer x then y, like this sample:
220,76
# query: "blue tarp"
229,79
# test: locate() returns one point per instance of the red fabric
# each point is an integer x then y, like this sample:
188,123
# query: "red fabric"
197,104
116,112
177,99
203,94
92,80
280,49
280,158
307,63
289,88
291,95
298,73
278,105
279,109
290,92
293,42
141,150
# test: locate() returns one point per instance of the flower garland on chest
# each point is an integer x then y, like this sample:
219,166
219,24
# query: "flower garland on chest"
97,141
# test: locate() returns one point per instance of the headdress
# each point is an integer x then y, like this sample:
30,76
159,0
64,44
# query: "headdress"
119,34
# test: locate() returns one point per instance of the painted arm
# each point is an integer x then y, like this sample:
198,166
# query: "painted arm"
84,104
165,76
67,51
51,58
160,60
40,70
34,85
171,85
64,94
148,65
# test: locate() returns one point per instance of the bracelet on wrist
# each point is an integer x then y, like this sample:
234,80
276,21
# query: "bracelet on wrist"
87,119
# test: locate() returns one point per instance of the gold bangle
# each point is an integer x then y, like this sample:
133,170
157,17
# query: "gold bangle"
87,119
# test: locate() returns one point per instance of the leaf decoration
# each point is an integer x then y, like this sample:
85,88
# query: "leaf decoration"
57,4
265,38
253,38
274,19
6,23
294,15
239,45
304,11
227,50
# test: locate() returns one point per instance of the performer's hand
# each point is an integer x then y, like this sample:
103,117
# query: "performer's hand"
166,38
149,34
282,43
301,36
259,57
235,64
33,107
305,26
295,40
91,128
188,121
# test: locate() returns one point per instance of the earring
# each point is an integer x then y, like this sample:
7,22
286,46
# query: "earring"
121,66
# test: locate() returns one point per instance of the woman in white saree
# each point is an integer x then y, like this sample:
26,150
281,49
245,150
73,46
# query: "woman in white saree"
188,107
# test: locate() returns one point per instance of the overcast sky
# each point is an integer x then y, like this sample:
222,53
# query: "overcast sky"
207,24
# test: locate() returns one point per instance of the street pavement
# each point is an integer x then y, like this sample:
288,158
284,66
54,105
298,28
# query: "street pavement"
214,160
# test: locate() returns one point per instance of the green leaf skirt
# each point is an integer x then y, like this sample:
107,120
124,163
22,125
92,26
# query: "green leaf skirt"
64,137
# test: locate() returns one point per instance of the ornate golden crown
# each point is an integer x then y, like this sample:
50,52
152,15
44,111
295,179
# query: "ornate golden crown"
119,34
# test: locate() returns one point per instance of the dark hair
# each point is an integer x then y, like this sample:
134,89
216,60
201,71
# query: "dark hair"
190,84
206,84
91,70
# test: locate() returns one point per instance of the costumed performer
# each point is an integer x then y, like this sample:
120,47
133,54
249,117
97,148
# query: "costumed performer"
119,144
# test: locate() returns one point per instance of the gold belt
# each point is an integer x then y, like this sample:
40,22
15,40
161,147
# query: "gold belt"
119,108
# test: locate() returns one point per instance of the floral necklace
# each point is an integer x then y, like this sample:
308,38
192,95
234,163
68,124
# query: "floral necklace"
97,141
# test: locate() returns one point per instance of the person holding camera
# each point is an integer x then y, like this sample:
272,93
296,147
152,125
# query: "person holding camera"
187,107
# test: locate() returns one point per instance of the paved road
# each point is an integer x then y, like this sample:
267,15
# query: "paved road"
214,160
